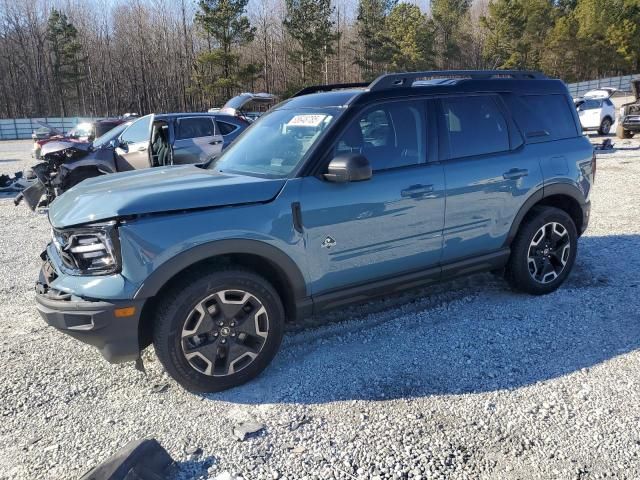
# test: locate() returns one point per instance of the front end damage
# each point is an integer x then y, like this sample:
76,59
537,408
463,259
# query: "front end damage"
109,325
52,176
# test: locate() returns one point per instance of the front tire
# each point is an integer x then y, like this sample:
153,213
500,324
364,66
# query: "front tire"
543,252
217,330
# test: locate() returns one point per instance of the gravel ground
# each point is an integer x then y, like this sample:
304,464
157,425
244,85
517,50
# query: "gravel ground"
464,380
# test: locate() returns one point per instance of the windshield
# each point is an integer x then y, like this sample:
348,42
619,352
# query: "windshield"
276,143
110,135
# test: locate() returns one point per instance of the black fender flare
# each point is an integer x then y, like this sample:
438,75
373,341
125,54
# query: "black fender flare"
276,257
544,192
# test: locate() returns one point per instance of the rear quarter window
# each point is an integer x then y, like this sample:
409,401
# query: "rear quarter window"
543,117
226,128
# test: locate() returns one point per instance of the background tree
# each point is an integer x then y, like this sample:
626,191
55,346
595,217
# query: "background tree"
226,27
411,35
66,59
376,50
623,33
448,17
178,55
516,32
309,24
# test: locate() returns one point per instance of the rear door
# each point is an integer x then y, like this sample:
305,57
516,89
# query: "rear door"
197,139
133,152
488,172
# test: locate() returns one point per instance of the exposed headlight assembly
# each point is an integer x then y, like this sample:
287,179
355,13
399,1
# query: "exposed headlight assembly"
93,250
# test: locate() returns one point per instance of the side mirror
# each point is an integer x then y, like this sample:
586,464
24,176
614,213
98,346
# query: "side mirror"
348,167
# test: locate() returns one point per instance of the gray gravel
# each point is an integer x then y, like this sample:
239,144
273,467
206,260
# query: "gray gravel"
464,380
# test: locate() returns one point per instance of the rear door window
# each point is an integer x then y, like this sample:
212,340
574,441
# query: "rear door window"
474,126
195,127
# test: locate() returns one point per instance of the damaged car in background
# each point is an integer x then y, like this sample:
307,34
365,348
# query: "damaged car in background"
150,141
629,122
84,132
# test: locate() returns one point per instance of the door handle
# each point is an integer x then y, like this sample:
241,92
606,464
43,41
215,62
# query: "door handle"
215,142
142,149
515,173
416,191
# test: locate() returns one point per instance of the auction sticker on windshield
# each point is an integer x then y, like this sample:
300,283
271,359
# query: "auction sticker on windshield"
306,120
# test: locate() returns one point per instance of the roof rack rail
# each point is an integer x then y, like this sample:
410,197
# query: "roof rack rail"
394,80
329,87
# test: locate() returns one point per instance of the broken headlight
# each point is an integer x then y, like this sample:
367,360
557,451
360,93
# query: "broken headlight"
93,250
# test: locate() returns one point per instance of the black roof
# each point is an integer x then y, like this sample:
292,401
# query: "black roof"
410,84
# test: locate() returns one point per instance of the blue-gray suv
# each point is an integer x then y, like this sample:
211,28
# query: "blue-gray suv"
337,195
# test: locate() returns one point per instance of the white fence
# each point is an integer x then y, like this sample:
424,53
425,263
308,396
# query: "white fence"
21,128
621,83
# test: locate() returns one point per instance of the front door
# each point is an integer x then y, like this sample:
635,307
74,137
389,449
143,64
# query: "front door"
132,153
359,232
197,140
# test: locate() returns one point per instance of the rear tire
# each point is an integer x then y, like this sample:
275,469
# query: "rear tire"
217,330
543,252
622,133
605,126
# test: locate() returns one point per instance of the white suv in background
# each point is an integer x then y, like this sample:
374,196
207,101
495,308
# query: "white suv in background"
596,110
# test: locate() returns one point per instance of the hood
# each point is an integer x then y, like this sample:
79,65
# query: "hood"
59,146
157,190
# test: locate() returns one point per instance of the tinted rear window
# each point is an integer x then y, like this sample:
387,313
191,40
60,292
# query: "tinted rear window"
544,117
475,126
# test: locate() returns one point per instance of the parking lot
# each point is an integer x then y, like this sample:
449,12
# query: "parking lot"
463,380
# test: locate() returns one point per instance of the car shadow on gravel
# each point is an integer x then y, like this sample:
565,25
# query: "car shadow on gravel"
476,338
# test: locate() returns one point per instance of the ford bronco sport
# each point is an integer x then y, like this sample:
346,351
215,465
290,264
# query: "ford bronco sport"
337,195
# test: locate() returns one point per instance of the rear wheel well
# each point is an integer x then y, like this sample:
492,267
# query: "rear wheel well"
257,264
568,204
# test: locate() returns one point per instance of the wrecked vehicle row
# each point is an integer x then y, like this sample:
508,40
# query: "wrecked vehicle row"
149,141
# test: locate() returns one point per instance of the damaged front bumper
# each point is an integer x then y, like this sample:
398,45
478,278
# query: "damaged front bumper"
110,326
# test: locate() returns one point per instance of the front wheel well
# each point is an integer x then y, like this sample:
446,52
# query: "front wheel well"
256,263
